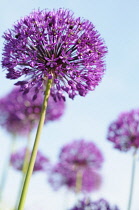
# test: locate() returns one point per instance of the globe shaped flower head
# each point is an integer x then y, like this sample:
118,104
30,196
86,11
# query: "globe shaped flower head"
81,154
54,45
17,161
77,167
20,114
94,205
124,132
62,175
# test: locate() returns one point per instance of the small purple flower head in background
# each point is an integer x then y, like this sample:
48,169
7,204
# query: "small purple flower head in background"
81,154
19,114
79,157
53,44
94,205
17,160
124,132
65,176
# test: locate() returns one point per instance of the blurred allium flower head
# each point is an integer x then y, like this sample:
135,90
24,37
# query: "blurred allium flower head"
124,132
79,158
64,176
17,160
54,44
19,114
81,154
95,205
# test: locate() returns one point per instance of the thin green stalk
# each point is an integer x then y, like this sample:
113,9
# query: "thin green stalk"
6,167
24,169
35,147
132,180
78,186
27,156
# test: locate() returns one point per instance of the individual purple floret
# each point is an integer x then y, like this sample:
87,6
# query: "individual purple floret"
124,132
17,161
19,114
54,44
78,160
95,205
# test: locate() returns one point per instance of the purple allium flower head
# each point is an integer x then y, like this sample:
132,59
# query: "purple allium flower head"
20,114
17,160
48,44
124,132
81,154
79,158
95,205
62,175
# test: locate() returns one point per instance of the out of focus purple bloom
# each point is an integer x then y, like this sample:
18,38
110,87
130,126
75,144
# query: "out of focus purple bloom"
78,157
94,205
19,114
81,154
48,44
124,132
17,161
62,175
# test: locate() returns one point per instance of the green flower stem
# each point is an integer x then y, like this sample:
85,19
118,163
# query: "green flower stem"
132,180
24,170
6,167
35,147
27,157
78,186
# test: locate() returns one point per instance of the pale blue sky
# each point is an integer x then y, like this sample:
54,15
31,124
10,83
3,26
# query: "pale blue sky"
88,117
